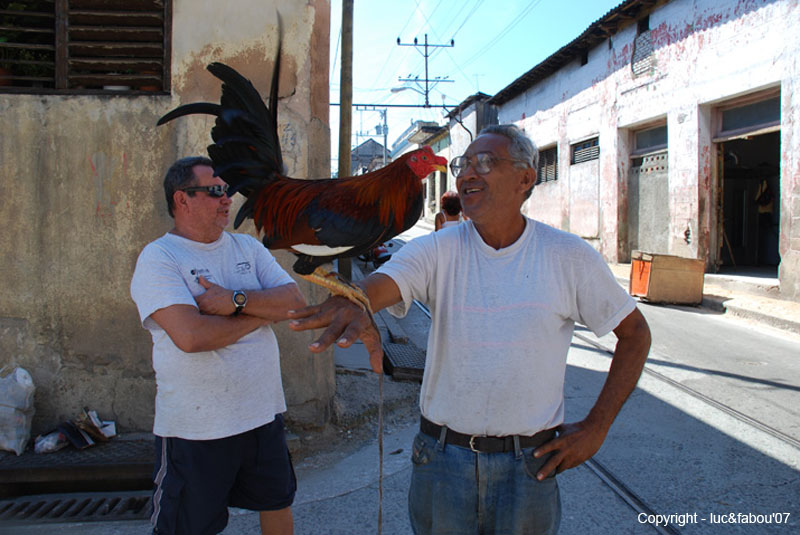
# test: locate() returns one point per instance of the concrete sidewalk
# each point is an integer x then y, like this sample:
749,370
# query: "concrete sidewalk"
752,298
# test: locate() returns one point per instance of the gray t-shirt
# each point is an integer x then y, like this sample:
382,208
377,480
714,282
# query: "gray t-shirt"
212,394
502,322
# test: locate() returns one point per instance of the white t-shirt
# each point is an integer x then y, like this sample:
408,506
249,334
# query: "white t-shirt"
502,322
212,394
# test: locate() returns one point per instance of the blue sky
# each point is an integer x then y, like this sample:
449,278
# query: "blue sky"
496,41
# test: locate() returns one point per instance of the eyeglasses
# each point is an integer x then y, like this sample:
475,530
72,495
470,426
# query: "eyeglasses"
216,191
481,162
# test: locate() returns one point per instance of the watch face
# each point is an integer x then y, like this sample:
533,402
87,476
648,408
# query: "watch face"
239,298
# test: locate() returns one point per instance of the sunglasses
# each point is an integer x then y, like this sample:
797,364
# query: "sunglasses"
216,191
482,163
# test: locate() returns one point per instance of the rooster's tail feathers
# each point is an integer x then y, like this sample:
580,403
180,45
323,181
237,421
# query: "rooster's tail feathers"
208,108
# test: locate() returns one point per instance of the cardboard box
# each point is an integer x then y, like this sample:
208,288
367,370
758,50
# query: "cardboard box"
662,278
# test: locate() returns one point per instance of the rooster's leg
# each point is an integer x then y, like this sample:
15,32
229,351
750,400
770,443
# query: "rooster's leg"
339,286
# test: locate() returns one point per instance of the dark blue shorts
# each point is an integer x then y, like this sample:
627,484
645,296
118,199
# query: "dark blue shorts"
196,480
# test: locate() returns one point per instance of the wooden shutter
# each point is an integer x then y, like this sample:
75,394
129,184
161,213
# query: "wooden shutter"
116,43
548,165
585,151
27,43
87,44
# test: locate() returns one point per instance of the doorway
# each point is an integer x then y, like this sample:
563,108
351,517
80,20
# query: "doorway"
751,204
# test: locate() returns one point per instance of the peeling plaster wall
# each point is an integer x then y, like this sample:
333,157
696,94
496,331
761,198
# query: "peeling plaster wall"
706,53
86,174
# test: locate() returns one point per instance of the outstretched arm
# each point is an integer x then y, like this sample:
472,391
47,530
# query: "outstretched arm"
578,441
344,322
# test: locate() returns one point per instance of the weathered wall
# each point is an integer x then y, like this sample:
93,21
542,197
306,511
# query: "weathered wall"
707,53
86,175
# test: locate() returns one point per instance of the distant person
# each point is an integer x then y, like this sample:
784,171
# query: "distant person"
505,292
450,214
208,298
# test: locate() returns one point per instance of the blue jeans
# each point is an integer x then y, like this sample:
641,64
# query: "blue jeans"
459,492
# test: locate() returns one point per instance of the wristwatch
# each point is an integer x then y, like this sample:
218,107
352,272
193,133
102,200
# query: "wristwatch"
239,301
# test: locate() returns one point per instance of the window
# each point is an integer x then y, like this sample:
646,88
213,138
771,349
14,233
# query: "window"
548,165
642,59
76,45
585,151
650,140
752,116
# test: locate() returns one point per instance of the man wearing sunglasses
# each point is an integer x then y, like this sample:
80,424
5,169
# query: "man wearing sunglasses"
208,298
505,292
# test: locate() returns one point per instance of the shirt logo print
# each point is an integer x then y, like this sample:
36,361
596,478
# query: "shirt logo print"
201,272
243,268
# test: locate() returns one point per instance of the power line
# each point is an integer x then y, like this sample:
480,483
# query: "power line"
385,63
519,18
472,11
426,55
469,15
336,53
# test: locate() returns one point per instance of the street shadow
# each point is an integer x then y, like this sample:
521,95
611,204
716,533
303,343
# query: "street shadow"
720,373
677,463
688,367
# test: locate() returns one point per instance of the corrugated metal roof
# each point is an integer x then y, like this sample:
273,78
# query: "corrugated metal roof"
603,28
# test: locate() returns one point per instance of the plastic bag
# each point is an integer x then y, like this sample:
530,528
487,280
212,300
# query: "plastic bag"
16,410
50,442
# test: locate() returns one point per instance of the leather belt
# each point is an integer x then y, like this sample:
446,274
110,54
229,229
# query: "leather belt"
484,444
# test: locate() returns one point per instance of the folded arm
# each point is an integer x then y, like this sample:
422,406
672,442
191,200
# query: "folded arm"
271,304
211,325
193,332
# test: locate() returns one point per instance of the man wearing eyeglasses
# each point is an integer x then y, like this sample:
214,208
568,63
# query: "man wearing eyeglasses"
208,298
505,292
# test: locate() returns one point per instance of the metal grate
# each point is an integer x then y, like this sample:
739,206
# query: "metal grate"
88,507
642,60
403,361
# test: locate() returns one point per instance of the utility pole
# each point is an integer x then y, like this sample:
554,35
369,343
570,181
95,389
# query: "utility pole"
346,108
385,133
380,129
436,80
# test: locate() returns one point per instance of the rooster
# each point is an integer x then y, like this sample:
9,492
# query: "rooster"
318,220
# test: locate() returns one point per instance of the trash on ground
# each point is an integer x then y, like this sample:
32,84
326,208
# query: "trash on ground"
82,432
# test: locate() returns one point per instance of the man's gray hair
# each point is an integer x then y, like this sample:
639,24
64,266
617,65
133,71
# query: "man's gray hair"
520,148
181,175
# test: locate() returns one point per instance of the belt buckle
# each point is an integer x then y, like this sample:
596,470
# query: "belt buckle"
472,444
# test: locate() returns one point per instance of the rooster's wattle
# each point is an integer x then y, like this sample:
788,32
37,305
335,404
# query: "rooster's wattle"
319,220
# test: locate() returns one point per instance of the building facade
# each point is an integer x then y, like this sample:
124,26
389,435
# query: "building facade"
673,127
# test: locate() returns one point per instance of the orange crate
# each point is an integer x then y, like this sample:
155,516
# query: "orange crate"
666,279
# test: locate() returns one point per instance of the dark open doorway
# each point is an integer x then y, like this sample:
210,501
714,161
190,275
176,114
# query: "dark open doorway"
751,204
